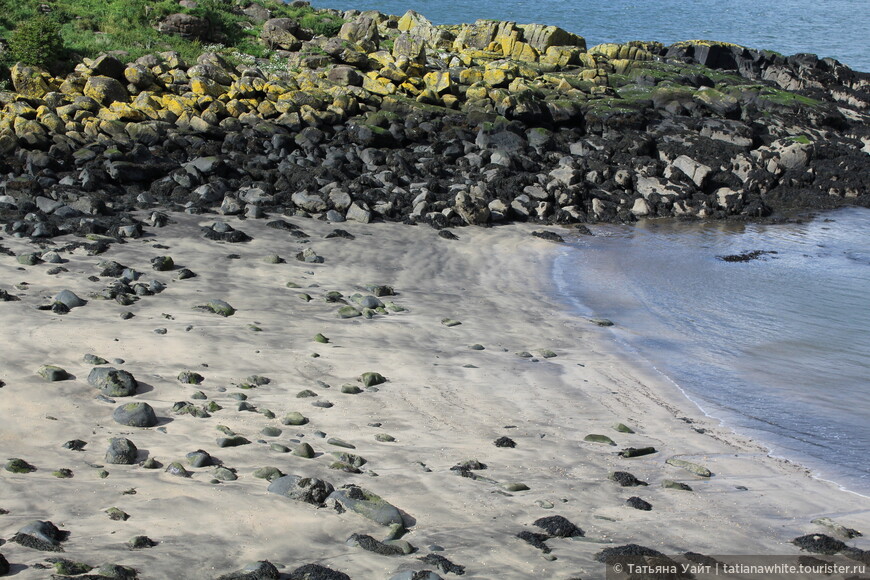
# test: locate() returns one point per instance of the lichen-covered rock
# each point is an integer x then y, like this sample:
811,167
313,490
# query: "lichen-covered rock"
219,307
17,465
113,382
29,81
105,90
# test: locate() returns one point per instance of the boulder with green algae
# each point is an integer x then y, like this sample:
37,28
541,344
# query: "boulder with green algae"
262,570
304,489
689,466
219,307
371,379
348,312
41,535
135,415
66,567
595,438
294,418
113,382
368,505
52,373
17,465
622,428
671,484
304,450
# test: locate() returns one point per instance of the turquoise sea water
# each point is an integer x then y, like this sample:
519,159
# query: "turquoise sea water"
837,28
778,347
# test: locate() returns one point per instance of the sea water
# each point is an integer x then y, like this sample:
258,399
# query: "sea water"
837,28
776,347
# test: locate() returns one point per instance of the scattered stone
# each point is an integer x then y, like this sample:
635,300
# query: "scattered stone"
368,505
746,256
121,451
75,445
443,564
348,312
689,466
117,514
819,544
199,458
190,378
218,307
177,469
384,438
630,553
234,441
594,438
639,504
639,452
370,544
449,322
601,322
141,542
17,465
262,570
340,443
838,529
304,489
95,360
305,394
625,479
53,373
309,257
63,473
505,442
113,382
671,484
622,428
41,535
304,450
268,473
162,263
536,540
515,487
270,431
294,418
317,572
351,389
135,415
321,339
371,379
447,235
222,473
549,236
69,568
559,526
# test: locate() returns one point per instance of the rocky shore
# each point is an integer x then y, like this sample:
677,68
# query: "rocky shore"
199,380
396,119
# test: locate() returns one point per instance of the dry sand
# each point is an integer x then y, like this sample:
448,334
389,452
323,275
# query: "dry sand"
443,402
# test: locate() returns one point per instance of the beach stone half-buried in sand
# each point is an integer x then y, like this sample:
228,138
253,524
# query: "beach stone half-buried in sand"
121,451
304,489
559,526
294,418
625,479
671,484
689,466
113,382
368,505
69,299
639,504
596,438
371,379
317,572
52,373
819,544
135,415
16,465
219,307
41,535
263,570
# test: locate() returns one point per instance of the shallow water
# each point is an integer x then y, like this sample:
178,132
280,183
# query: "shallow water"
837,28
777,347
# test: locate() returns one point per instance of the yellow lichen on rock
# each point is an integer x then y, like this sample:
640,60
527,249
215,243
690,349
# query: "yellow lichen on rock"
438,81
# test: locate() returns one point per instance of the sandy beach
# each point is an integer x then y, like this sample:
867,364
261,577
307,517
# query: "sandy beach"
518,366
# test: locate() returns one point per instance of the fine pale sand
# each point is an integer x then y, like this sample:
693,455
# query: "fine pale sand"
443,402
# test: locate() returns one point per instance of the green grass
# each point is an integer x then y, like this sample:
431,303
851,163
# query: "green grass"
91,27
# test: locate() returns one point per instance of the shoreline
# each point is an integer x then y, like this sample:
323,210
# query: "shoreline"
621,341
443,403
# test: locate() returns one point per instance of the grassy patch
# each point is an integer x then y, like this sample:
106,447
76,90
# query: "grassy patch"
91,27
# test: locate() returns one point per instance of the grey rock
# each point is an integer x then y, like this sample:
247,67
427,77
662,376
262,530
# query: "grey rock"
304,489
121,451
368,505
69,299
135,415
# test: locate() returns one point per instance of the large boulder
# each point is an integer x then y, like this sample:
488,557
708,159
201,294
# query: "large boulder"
472,208
28,81
186,26
369,505
106,90
283,33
